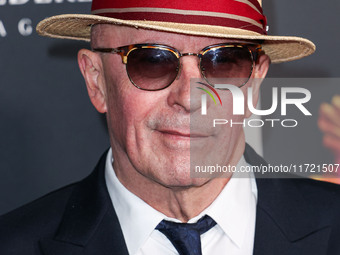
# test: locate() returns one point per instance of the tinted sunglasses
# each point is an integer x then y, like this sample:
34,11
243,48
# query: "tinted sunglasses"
155,66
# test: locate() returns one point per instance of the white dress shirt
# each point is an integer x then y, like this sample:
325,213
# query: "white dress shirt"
234,211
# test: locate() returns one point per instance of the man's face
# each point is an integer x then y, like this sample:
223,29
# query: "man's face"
150,130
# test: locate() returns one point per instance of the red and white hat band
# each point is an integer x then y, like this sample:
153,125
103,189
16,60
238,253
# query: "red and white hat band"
242,14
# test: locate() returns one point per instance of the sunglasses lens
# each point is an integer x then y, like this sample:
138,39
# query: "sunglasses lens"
152,68
233,64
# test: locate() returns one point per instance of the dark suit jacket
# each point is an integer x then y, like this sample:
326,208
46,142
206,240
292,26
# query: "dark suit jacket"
294,216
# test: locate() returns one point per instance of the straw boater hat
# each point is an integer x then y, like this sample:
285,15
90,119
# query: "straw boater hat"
238,19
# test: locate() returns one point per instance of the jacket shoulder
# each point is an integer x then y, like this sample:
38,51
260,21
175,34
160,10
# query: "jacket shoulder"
320,194
20,227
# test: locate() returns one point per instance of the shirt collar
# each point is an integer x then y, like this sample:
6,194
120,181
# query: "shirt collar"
235,207
137,219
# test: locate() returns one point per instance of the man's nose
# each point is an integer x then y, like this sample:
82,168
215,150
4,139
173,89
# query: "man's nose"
181,95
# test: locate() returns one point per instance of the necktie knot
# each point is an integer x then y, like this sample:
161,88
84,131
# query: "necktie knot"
186,237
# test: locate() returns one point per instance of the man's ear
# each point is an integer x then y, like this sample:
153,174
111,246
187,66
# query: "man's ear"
90,65
260,72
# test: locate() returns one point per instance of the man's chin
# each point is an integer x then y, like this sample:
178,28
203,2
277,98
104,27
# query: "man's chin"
184,182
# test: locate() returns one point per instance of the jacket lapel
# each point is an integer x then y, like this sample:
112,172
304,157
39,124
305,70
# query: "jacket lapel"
89,224
287,222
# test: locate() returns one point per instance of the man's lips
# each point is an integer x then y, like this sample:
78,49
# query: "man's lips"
182,134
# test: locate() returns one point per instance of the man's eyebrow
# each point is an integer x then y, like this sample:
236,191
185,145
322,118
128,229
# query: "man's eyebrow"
162,42
153,41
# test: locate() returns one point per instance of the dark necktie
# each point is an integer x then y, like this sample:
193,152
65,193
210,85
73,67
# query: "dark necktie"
186,237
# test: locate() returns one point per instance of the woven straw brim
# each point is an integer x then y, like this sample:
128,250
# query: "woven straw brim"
78,27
